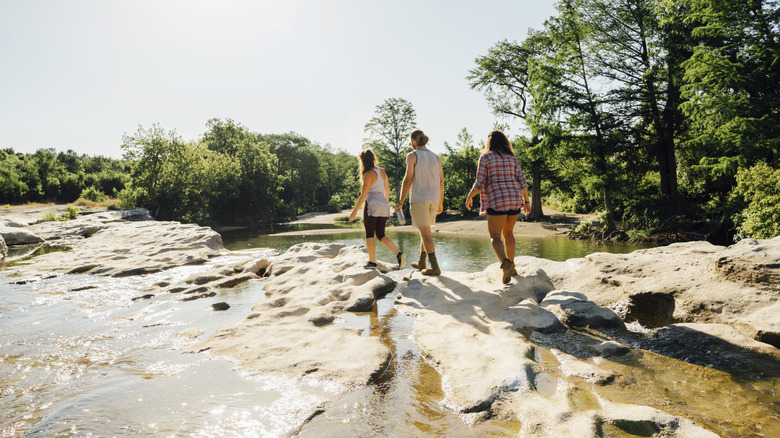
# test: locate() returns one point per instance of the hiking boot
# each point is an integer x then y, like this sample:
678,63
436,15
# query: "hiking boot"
434,269
507,267
370,265
401,260
421,264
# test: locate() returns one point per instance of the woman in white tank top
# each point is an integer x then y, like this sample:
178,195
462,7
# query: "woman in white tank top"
376,194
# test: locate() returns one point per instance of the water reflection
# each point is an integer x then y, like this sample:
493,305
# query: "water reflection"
465,252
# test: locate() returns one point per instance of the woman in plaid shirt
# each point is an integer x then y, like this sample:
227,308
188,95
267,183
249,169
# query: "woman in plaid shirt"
503,193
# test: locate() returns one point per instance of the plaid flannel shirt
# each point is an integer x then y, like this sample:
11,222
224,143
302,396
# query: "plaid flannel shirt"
500,181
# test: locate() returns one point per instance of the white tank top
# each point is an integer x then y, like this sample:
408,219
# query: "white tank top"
425,182
379,185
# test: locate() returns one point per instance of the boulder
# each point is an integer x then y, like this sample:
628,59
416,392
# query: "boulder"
528,318
123,248
690,282
576,310
18,236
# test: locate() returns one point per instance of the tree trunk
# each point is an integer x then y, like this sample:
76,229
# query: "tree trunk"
664,144
536,195
610,225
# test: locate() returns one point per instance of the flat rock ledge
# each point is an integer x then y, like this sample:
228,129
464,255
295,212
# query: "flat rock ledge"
297,331
112,243
482,336
488,340
691,282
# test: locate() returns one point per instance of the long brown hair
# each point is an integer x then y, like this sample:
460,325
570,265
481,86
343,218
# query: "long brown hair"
367,161
497,142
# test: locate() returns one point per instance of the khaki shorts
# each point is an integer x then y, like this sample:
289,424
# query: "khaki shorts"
423,213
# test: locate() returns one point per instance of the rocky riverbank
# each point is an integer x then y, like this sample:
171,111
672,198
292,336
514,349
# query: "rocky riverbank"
563,349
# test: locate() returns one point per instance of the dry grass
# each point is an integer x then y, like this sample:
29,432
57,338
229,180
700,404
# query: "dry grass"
32,204
81,202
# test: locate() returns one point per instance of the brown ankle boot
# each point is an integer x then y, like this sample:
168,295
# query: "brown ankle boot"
421,264
507,267
434,269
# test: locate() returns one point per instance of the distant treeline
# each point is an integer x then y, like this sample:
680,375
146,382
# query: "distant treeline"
48,176
234,176
229,176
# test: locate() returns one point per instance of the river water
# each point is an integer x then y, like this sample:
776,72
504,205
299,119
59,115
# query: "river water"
80,357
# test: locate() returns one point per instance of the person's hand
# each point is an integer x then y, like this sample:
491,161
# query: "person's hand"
441,209
397,207
468,204
352,216
527,208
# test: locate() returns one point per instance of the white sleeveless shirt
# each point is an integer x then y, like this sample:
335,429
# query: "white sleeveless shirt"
425,182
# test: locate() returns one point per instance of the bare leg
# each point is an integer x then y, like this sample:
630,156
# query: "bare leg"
508,232
495,224
390,244
427,239
371,246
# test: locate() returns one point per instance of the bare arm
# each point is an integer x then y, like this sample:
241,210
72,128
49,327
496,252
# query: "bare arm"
406,186
368,179
479,183
387,185
441,187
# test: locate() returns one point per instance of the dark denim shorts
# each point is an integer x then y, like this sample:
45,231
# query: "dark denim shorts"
492,212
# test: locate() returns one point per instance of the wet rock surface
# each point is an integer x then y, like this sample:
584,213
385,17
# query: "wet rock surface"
115,243
296,331
692,282
711,307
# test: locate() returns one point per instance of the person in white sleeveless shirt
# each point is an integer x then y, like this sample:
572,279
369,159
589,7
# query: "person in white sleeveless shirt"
425,180
376,194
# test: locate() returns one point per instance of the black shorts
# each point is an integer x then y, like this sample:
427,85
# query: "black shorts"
492,212
374,225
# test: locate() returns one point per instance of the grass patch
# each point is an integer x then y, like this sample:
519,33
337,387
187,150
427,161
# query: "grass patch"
346,219
71,212
111,203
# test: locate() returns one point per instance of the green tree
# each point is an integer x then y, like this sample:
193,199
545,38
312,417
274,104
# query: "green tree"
506,75
390,127
459,164
567,87
731,92
299,170
153,152
758,191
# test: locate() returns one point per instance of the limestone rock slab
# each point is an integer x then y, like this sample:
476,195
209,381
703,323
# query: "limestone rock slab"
295,331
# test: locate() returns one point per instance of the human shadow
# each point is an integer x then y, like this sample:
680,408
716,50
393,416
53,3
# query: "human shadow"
484,307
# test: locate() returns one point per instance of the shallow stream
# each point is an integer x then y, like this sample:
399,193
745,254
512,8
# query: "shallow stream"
80,357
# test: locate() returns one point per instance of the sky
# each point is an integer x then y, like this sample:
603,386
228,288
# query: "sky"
80,74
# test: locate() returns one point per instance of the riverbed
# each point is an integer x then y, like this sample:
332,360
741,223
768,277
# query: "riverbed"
79,357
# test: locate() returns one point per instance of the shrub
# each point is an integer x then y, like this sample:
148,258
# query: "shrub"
759,189
93,194
71,212
584,227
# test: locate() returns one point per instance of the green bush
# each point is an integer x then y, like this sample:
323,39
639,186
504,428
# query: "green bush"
759,189
93,194
71,212
584,227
